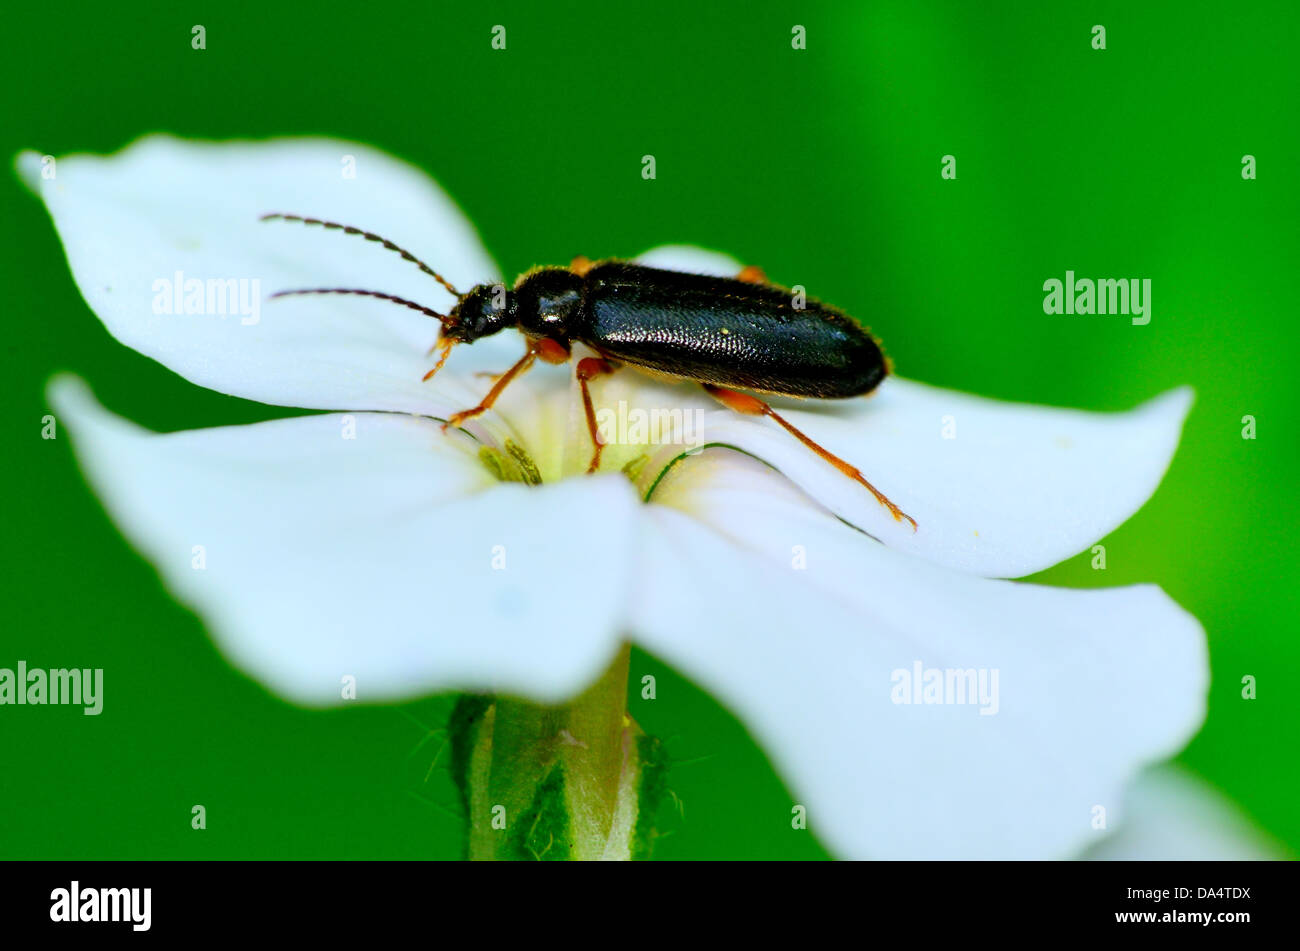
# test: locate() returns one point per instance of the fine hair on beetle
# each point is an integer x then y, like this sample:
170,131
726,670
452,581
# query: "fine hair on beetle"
724,334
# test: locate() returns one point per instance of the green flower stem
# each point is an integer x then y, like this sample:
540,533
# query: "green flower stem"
557,782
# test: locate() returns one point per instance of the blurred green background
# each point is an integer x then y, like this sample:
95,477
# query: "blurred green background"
820,165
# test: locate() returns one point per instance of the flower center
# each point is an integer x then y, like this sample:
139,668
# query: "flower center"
513,464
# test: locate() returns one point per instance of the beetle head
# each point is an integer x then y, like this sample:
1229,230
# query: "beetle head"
485,310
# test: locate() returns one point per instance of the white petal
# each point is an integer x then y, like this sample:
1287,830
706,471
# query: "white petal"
1092,685
1173,815
690,259
165,205
371,557
1018,489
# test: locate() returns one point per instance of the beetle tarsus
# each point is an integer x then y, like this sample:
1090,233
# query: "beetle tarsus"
445,344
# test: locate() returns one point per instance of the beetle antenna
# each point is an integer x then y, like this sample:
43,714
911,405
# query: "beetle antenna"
369,236
380,294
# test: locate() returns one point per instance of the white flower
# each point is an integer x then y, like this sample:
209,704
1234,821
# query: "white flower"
373,556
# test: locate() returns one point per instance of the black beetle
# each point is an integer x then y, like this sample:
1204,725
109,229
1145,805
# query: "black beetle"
718,332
